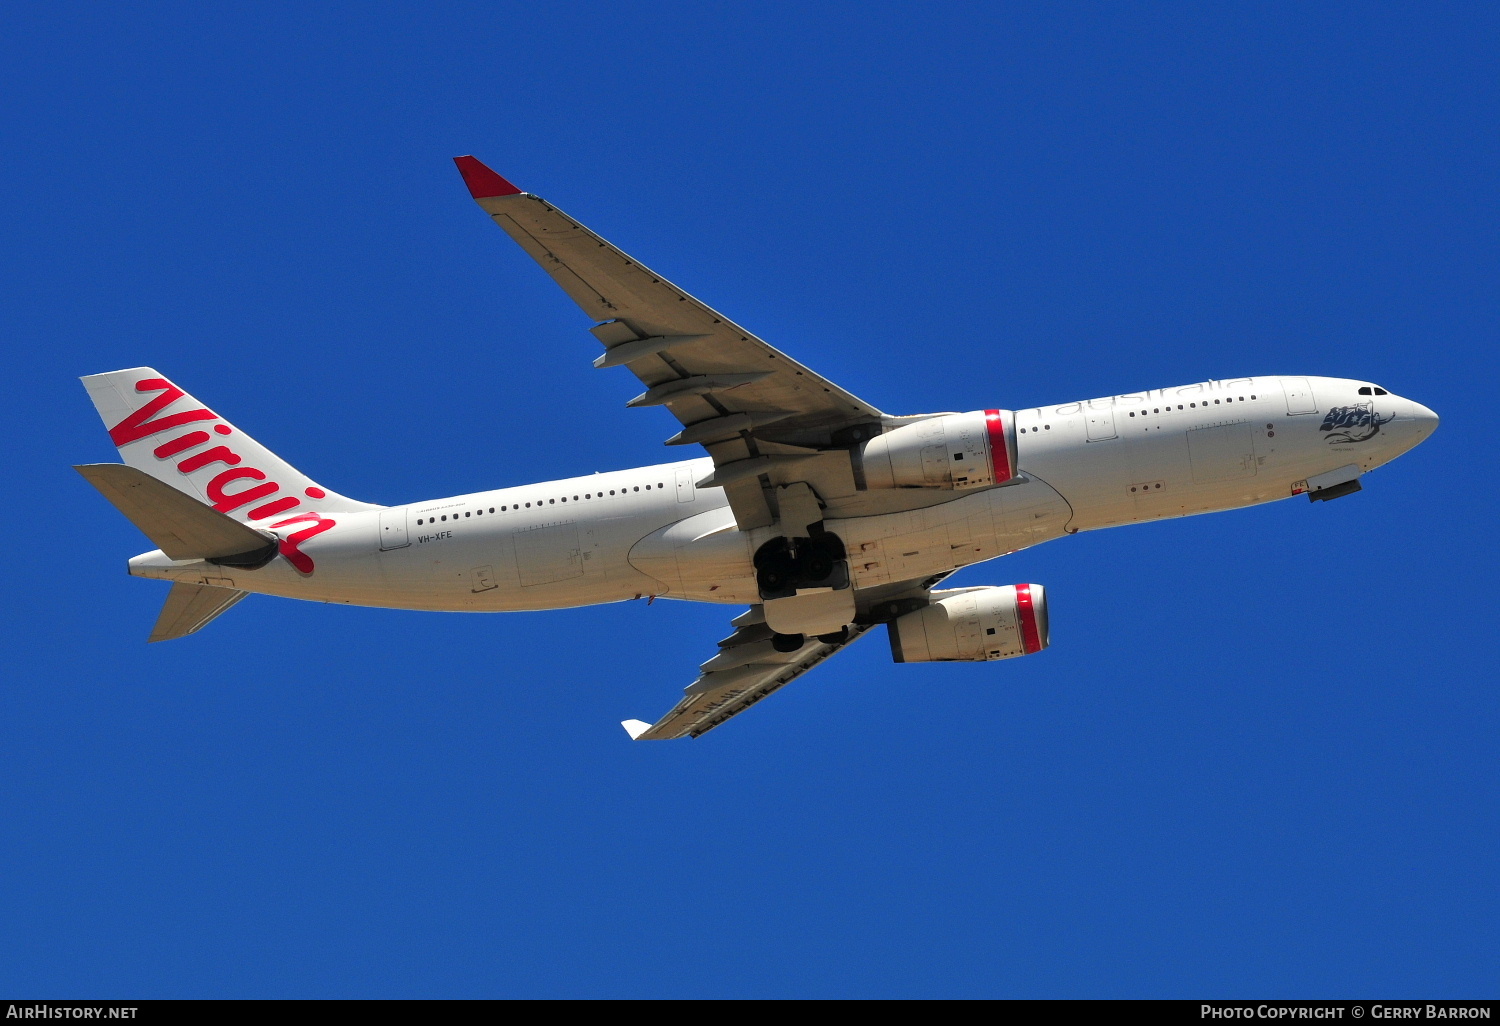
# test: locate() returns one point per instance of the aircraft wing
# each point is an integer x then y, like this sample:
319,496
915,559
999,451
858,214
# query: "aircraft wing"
761,415
745,670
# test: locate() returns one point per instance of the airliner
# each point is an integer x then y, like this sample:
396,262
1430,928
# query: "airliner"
819,514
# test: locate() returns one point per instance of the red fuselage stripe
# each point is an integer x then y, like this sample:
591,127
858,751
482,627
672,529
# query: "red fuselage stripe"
999,452
1031,638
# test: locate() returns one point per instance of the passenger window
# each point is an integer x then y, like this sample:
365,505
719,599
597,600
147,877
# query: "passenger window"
466,513
492,508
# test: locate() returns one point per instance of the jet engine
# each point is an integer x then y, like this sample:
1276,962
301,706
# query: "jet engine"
955,451
973,625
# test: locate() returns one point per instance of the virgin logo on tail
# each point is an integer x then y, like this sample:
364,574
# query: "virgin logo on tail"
149,420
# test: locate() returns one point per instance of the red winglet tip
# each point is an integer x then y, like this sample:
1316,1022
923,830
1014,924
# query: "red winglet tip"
482,182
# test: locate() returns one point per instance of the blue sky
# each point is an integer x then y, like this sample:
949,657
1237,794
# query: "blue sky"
1259,758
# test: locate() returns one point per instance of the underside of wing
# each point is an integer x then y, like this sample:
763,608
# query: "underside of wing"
763,417
746,669
749,665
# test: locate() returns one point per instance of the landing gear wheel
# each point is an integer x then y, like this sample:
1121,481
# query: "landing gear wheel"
787,642
772,580
819,566
838,637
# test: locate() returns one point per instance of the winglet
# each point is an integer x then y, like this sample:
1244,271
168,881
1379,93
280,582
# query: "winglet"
482,182
635,728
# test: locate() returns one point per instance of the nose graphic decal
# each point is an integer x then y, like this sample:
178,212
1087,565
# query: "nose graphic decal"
1357,423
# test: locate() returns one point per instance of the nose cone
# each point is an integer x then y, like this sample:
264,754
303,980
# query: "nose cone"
1424,421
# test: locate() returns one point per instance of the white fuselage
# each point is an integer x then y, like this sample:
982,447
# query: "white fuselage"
651,532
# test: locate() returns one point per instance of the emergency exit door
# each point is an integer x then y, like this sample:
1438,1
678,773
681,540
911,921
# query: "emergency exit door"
393,529
1299,396
1101,423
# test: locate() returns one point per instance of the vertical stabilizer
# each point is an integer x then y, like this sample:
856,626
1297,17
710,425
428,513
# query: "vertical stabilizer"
166,433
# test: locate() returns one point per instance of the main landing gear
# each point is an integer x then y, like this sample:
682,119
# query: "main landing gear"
797,571
792,642
783,565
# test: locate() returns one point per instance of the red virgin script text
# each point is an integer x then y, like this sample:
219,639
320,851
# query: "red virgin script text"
149,420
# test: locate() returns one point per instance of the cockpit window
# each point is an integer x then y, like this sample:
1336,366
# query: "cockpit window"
1381,391
1372,390
1365,390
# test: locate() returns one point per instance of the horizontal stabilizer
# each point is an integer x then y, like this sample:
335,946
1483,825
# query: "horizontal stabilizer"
178,524
190,607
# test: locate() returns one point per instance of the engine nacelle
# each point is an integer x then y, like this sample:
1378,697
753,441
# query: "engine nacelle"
958,450
973,625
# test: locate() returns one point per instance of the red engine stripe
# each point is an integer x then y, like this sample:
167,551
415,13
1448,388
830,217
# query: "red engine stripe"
999,451
1031,638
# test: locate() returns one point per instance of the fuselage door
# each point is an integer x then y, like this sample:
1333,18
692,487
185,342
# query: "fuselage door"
684,484
393,529
1101,423
1299,396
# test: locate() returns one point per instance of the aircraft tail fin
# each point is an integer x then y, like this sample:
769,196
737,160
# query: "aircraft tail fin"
189,608
168,435
178,524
